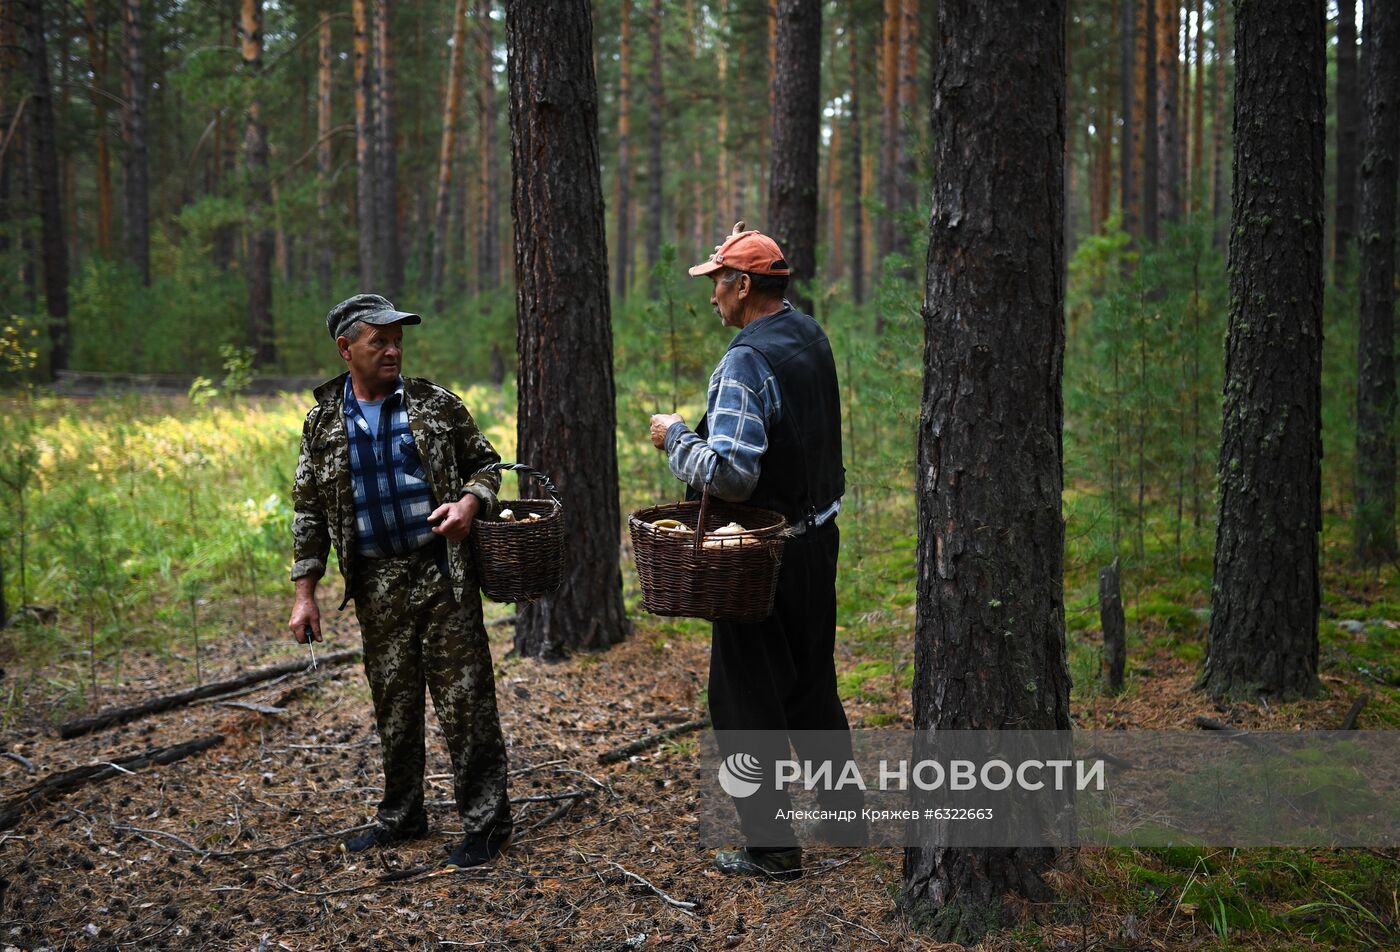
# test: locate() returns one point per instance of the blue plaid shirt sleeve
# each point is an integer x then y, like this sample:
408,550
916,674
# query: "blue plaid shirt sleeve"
743,404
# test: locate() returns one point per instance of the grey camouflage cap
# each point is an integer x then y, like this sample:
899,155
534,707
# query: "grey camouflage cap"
370,308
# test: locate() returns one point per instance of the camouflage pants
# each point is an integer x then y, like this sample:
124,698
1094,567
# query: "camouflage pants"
416,633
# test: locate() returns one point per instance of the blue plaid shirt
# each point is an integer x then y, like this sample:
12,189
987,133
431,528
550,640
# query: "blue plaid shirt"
743,405
392,495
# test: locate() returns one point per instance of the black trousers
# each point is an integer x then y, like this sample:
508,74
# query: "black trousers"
778,677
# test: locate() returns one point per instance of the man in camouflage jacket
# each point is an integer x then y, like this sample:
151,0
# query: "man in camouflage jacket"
392,473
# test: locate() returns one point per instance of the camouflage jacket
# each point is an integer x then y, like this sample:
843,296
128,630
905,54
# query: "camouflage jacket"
453,448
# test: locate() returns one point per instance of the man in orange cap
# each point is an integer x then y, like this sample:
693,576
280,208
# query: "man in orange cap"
771,437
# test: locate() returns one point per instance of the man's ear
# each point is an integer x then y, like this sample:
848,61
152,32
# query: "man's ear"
745,285
343,345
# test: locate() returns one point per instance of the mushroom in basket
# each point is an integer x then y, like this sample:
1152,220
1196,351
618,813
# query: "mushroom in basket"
670,525
730,535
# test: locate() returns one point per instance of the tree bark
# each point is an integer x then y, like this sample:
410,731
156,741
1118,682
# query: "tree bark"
989,630
623,237
889,134
365,170
1151,168
1168,166
1265,596
701,204
1348,135
905,188
564,332
857,162
1374,520
136,221
386,213
53,248
488,257
97,56
792,196
1127,183
260,238
323,153
451,104
655,200
833,202
1198,111
1223,46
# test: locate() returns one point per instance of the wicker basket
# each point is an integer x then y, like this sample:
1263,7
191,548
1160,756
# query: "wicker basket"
721,578
520,561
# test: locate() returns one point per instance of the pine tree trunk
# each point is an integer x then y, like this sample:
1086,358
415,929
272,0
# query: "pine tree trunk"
136,220
488,257
323,153
1218,198
227,239
1127,181
1168,166
889,135
727,196
1374,526
990,554
833,201
623,239
97,56
1348,134
447,150
1151,178
1198,112
260,238
700,174
655,205
564,332
792,196
54,250
765,129
905,188
1069,164
1183,113
386,212
365,165
1103,180
857,162
1265,595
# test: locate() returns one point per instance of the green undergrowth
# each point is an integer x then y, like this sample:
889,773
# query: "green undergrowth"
1341,899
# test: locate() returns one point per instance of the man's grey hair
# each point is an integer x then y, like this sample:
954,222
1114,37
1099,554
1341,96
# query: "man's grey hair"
353,332
773,285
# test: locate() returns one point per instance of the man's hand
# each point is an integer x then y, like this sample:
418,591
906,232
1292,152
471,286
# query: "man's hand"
454,519
305,611
660,423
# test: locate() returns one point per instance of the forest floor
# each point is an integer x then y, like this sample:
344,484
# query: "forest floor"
219,851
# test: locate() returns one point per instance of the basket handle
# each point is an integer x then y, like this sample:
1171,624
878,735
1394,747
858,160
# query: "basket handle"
700,522
544,480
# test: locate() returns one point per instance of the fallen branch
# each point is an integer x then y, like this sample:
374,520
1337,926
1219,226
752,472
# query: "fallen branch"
1349,722
254,706
651,740
665,897
23,761
165,702
1234,733
56,785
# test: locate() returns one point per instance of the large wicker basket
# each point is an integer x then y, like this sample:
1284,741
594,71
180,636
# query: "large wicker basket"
721,578
520,561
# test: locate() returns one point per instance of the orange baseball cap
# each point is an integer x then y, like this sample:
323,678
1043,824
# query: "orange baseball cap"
750,251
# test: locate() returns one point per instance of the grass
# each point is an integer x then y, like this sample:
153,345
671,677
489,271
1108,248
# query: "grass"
1280,898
